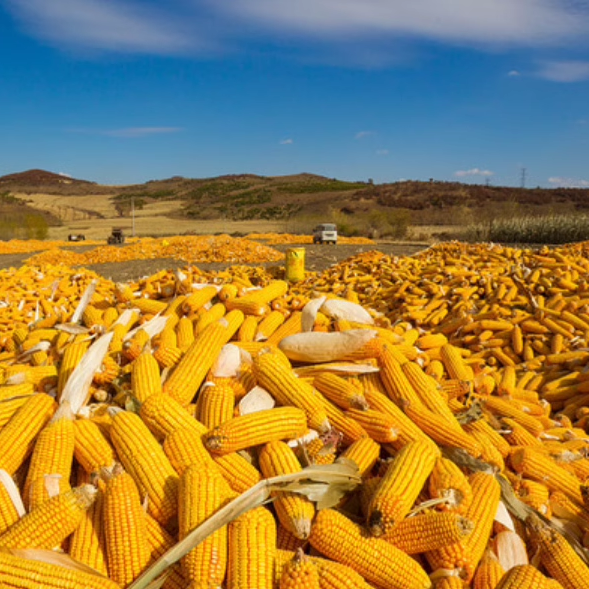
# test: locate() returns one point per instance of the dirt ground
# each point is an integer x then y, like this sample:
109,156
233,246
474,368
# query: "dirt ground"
318,258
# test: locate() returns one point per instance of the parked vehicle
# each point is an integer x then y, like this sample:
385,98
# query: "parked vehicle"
76,237
117,236
325,233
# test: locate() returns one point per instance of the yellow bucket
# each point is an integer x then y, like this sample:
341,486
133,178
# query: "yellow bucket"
295,264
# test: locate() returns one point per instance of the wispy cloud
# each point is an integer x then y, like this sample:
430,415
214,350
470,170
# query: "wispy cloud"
125,26
193,26
563,182
564,71
287,142
473,172
382,152
363,134
513,74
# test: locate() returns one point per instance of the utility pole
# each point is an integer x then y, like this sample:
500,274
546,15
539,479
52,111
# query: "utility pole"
523,178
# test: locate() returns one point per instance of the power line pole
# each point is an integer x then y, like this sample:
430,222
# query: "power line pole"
523,178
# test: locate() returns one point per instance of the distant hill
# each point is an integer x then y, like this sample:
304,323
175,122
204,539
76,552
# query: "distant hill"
309,196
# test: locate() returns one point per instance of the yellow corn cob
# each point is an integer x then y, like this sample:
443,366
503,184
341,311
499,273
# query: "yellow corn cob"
190,372
17,572
539,467
427,390
401,486
92,449
255,303
396,384
145,377
238,472
202,491
20,432
454,363
163,414
364,453
8,511
9,407
143,458
349,428
379,426
251,550
442,431
53,455
407,431
38,529
340,391
332,575
467,553
125,528
321,450
287,541
167,354
557,555
149,306
159,542
198,299
247,330
379,562
291,326
273,373
489,572
448,482
300,573
268,325
429,531
215,405
523,576
135,345
185,333
71,358
257,428
88,543
204,319
295,512
484,433
505,408
535,495
184,447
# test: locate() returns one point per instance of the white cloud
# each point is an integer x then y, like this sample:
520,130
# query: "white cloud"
564,71
286,142
513,74
139,131
473,172
513,22
563,182
193,26
125,26
362,134
382,152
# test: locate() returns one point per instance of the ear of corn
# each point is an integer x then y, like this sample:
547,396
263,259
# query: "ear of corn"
295,512
38,529
143,458
124,528
92,449
145,377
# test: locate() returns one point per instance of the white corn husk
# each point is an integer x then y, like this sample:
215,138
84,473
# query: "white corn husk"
8,482
152,327
257,399
309,313
52,484
228,362
510,550
336,367
77,386
318,346
343,309
84,301
503,517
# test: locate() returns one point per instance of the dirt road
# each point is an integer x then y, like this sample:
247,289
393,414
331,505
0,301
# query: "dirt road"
318,258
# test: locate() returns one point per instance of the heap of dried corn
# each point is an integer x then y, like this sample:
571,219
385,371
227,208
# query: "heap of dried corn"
139,411
189,248
285,238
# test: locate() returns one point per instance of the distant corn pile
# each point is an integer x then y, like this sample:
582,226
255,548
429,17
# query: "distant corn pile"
159,417
19,246
286,238
191,249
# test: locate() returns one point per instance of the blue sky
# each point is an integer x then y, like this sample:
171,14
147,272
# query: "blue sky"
125,91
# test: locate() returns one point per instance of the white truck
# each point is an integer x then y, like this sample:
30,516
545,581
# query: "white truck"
325,233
